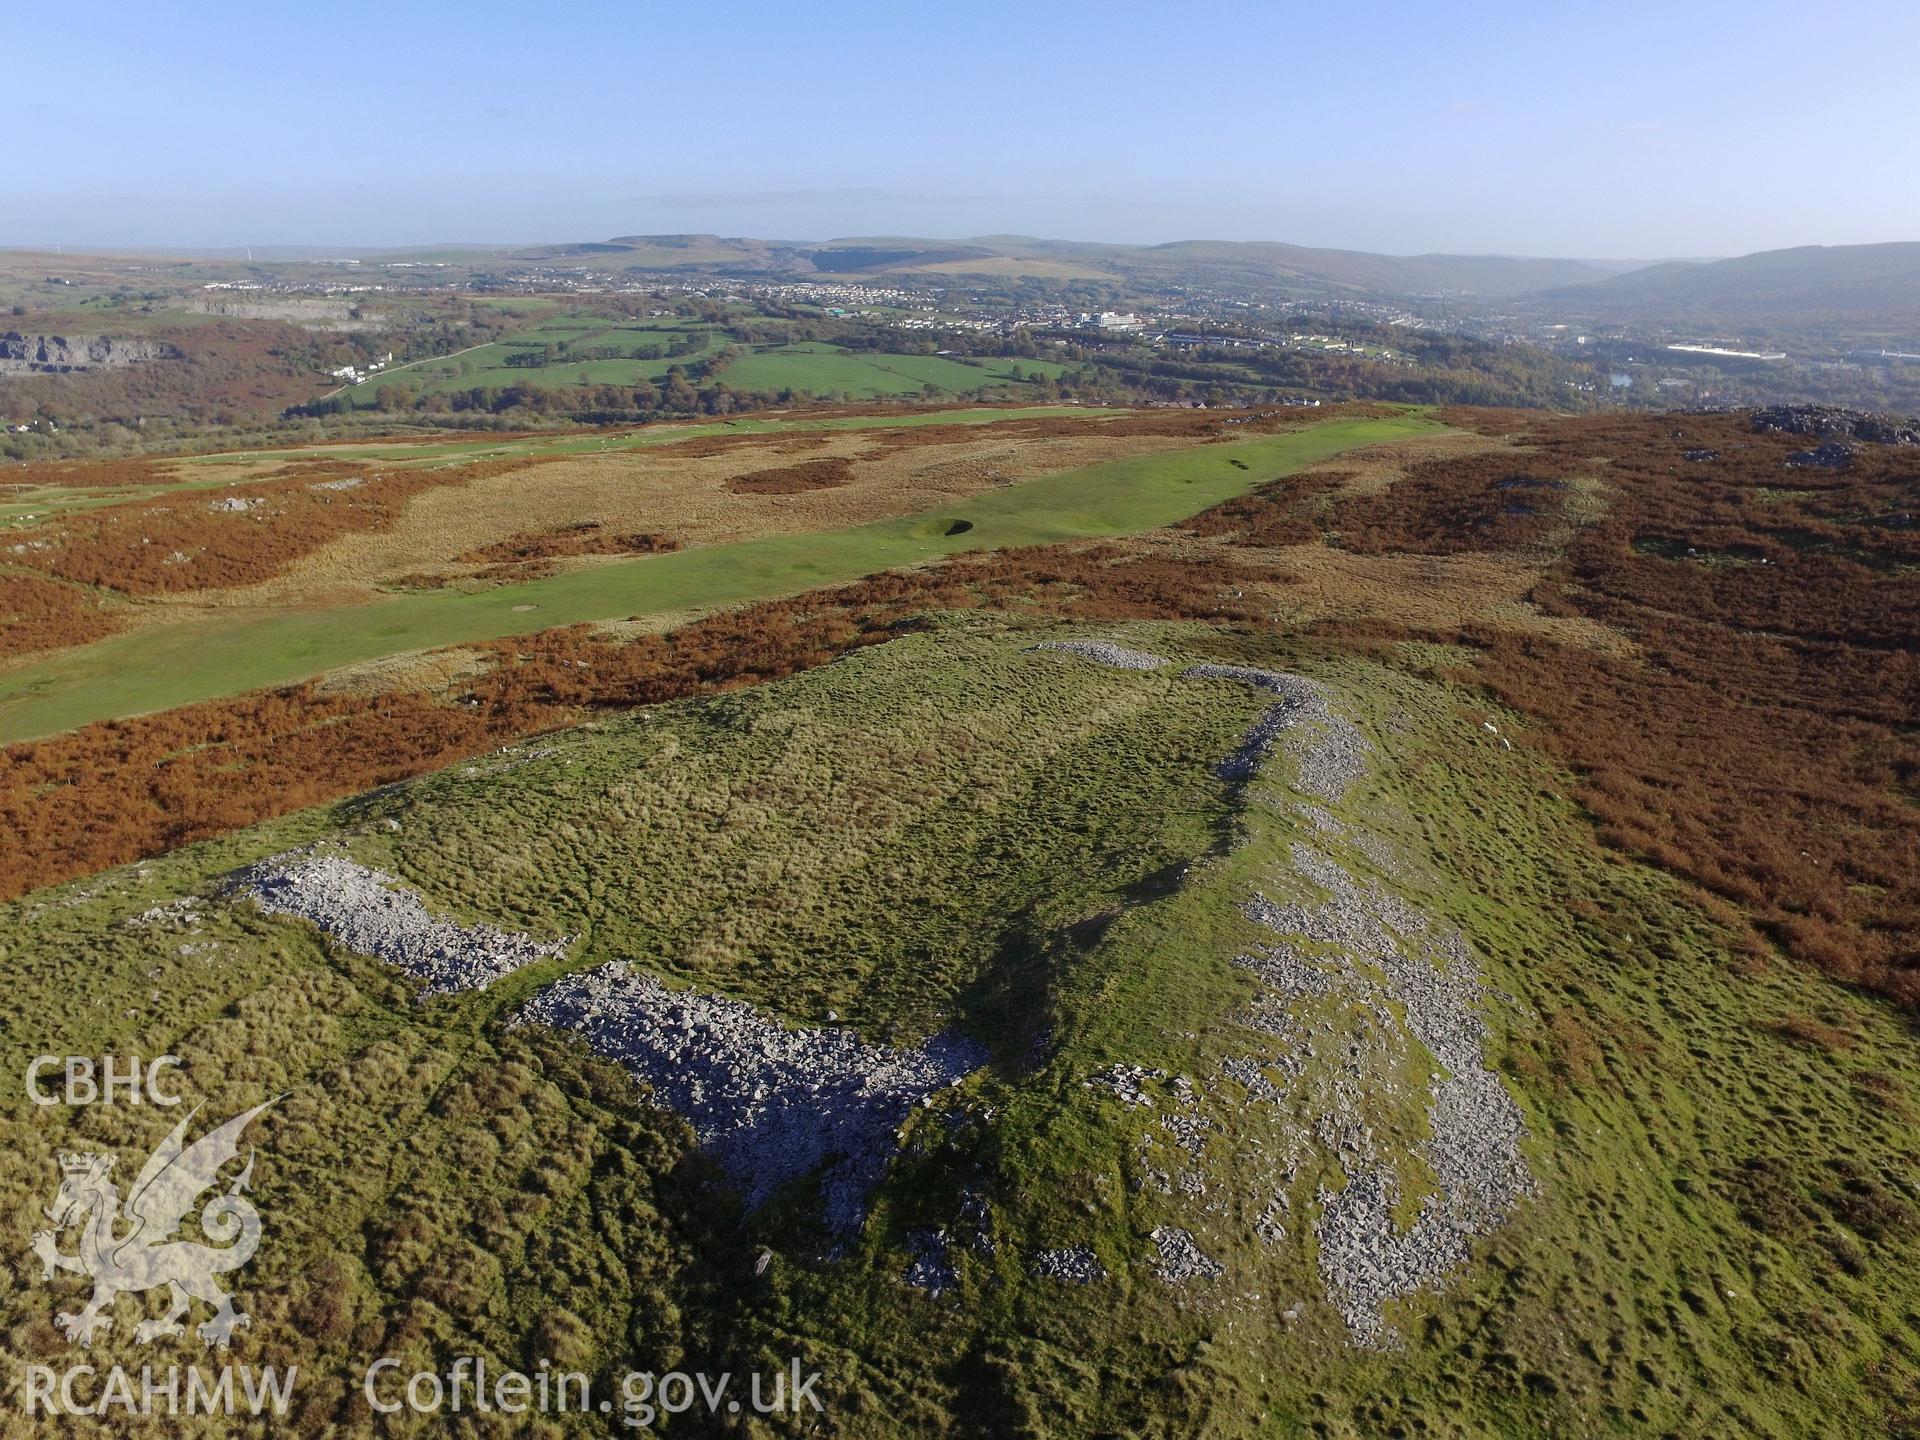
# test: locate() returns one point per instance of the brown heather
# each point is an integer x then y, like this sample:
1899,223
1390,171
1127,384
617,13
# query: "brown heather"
792,479
185,540
39,614
1760,736
584,537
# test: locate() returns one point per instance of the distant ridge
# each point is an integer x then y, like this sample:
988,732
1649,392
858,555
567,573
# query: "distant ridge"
1256,265
1880,282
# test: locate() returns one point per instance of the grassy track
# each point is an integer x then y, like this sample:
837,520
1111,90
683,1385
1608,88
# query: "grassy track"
222,654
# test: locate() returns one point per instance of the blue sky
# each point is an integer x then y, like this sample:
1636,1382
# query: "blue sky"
1573,128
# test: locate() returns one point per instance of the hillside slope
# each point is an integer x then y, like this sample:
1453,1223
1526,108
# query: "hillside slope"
1806,285
1242,1013
1258,266
1263,264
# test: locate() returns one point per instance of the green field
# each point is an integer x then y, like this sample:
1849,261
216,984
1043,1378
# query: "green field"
952,829
864,375
816,368
218,654
486,367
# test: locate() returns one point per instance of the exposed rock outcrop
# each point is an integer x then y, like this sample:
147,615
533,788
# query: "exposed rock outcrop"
1834,422
23,354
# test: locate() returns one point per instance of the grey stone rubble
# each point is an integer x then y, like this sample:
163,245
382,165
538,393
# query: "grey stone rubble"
371,913
1185,1129
1075,1265
1106,653
1355,982
1328,750
1832,420
1181,1258
769,1104
1272,1224
976,1213
931,1268
182,914
1828,455
1251,1074
1124,1083
1188,1130
510,757
181,917
237,503
1430,983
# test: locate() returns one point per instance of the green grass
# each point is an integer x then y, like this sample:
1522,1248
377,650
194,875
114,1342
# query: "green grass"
864,375
819,369
953,828
218,654
486,367
41,500
426,454
516,304
449,1181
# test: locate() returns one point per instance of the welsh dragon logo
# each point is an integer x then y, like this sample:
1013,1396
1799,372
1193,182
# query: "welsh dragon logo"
122,1260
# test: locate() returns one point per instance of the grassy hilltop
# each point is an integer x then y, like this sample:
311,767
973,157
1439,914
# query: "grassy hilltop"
1193,922
956,829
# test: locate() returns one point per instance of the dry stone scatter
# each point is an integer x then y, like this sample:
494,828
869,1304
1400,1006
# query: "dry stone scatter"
1832,420
931,1268
769,1104
370,912
182,914
1328,750
1106,653
1076,1265
1125,1083
1355,984
1382,949
976,1213
1181,1258
1828,455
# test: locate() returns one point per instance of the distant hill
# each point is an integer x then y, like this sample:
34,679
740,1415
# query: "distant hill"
1861,292
1256,262
1876,286
1255,266
664,252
